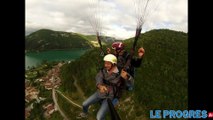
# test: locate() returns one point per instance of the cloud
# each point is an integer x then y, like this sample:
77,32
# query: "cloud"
116,18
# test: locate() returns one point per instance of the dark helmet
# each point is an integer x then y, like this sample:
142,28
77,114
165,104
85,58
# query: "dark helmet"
117,46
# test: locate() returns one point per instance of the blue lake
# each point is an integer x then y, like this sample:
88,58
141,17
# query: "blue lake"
35,58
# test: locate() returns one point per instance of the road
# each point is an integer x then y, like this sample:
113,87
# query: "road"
57,106
69,99
78,87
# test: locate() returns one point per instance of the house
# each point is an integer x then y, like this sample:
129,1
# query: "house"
31,93
49,109
28,110
48,85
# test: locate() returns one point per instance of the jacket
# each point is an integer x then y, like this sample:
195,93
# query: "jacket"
110,81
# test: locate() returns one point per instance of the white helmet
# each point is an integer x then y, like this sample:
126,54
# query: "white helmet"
110,58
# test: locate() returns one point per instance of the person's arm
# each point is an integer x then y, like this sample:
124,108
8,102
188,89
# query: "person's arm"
108,51
128,78
99,82
125,75
102,88
141,52
99,78
136,62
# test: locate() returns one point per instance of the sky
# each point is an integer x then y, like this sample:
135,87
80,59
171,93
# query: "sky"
115,18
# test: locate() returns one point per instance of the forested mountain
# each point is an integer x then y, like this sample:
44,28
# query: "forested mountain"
45,39
161,81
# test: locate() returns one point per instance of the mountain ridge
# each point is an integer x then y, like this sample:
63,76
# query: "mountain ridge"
45,39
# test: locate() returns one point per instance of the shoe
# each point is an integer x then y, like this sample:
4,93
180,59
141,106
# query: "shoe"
82,115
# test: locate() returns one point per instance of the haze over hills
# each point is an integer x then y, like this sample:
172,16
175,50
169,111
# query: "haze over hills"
104,39
46,39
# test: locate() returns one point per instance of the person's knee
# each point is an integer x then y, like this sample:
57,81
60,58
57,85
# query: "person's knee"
100,116
85,107
84,104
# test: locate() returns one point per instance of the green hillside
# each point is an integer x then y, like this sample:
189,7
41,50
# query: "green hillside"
160,83
45,39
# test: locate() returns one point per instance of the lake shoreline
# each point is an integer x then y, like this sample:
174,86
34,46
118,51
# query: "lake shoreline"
39,51
33,59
